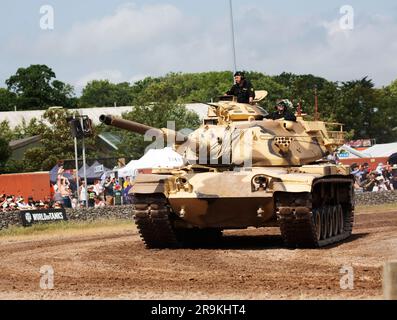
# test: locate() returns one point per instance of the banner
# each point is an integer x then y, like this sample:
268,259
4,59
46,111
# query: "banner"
29,217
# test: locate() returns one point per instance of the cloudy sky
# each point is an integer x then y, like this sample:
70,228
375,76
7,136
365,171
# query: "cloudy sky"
124,40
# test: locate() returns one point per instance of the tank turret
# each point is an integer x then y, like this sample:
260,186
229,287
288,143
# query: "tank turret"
239,134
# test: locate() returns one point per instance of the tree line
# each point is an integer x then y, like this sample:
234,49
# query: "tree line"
366,111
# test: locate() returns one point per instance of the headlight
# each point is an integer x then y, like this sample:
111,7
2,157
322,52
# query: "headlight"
182,184
259,183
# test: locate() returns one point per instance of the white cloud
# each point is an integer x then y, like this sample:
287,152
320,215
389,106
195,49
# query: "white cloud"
146,40
317,45
135,41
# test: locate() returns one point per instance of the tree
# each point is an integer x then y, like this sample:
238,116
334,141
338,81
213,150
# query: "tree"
384,120
357,106
34,90
39,158
33,128
5,131
57,142
184,88
393,88
63,95
5,152
7,100
103,93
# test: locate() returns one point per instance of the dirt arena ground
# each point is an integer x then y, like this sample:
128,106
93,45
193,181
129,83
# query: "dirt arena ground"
112,263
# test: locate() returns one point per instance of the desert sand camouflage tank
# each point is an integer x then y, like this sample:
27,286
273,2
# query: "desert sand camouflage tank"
243,171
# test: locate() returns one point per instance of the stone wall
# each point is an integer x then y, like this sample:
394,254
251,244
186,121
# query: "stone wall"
125,212
8,219
374,198
90,214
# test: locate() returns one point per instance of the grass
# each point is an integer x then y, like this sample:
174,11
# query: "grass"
63,227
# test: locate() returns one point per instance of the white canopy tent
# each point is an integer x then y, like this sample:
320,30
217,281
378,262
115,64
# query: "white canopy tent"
163,158
381,150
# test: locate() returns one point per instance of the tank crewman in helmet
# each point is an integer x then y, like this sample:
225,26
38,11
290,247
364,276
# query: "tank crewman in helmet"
242,89
282,111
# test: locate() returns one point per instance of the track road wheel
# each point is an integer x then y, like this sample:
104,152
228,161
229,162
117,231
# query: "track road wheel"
324,223
317,223
330,224
340,217
336,218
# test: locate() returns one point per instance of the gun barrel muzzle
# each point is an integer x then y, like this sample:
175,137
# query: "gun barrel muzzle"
128,125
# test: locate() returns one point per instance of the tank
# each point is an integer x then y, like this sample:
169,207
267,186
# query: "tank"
242,171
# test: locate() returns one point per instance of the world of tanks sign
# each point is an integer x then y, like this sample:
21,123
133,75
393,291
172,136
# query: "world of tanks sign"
30,217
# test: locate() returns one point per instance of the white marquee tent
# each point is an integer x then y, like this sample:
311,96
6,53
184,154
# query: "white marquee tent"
381,150
163,158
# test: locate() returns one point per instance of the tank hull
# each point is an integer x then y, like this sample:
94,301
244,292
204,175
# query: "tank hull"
289,198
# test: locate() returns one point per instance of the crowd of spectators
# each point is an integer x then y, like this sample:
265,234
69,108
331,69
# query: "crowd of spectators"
12,203
101,193
383,178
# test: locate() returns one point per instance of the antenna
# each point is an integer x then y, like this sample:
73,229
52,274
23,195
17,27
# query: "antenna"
316,115
232,34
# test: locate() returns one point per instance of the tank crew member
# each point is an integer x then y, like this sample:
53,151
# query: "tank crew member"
282,111
242,89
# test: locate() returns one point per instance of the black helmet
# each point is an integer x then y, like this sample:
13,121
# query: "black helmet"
285,103
240,73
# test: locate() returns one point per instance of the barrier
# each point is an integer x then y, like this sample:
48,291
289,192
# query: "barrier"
30,217
390,281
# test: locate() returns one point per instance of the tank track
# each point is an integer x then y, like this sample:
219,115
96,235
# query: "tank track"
155,222
306,228
152,217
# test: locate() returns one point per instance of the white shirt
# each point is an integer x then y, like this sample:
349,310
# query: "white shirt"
83,194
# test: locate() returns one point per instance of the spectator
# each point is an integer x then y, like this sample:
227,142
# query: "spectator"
83,194
109,185
64,189
393,178
379,169
57,195
370,183
99,203
75,203
126,191
98,188
91,196
366,172
388,177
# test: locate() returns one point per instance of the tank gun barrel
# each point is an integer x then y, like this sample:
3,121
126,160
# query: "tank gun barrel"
129,125
167,134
